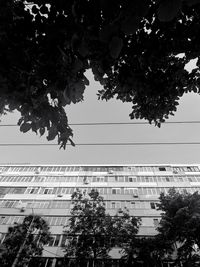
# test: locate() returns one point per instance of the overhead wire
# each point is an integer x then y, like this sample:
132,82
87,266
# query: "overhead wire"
106,144
109,144
114,123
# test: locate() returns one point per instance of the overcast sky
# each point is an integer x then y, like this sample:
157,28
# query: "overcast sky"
93,110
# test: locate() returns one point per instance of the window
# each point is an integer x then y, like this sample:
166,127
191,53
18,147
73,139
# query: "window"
113,205
32,190
11,219
131,179
85,180
100,179
39,204
64,241
56,220
190,179
8,203
17,190
179,179
153,205
131,191
162,169
38,179
167,179
48,191
2,237
155,222
116,191
55,240
192,169
132,205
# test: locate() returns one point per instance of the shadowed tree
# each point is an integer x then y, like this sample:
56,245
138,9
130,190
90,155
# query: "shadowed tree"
92,233
151,251
24,241
180,224
132,48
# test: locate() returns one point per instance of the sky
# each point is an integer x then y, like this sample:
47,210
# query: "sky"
93,110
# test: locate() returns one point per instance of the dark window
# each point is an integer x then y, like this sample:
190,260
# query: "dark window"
162,169
56,243
46,191
114,191
153,206
113,205
64,240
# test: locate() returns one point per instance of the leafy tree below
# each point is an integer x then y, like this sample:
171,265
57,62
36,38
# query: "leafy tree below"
36,232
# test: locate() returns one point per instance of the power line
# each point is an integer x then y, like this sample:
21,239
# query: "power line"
108,144
114,123
130,123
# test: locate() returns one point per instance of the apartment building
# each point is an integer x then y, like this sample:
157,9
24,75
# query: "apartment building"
46,190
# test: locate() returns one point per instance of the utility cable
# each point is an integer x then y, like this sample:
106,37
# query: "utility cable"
106,144
114,123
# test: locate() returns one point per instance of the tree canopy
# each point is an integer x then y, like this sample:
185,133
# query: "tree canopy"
132,47
36,232
92,233
180,223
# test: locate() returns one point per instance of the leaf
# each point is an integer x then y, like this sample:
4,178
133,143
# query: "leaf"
83,49
67,100
115,47
77,66
34,127
20,121
25,127
168,9
85,80
192,2
52,133
44,9
34,9
72,143
130,25
107,32
42,131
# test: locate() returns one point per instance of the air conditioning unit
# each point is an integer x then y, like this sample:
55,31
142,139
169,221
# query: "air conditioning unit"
135,195
22,209
38,170
59,195
21,206
110,171
175,172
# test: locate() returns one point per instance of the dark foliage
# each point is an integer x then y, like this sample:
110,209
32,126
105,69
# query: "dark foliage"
92,233
180,224
36,232
131,47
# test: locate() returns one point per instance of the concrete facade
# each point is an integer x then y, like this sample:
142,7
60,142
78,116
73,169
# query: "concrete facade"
46,190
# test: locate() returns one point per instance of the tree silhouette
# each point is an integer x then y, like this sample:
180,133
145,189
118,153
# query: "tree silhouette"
92,233
132,48
180,224
27,238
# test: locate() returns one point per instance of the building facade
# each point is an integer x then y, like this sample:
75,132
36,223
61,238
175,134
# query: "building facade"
46,191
